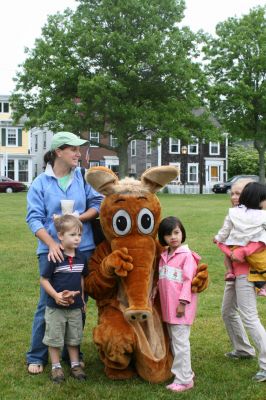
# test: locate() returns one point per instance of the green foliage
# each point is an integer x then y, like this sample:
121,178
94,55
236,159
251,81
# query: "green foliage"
243,160
216,377
129,64
237,67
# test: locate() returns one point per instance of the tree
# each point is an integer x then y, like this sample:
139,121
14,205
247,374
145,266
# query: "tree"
116,67
237,70
242,160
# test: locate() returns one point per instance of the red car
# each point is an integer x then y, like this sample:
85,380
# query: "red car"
9,186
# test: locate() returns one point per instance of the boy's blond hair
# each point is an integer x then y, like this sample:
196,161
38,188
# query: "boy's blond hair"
66,222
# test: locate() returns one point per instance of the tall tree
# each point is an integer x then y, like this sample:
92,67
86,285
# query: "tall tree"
237,70
113,66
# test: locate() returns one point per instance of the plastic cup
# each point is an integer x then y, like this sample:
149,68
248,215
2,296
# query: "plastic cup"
67,206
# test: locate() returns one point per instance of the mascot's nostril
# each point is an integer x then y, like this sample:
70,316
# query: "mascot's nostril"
144,316
133,317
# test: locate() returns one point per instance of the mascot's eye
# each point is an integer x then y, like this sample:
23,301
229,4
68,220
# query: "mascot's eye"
145,221
121,222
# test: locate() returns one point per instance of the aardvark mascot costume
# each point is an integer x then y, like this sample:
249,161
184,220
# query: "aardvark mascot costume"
130,335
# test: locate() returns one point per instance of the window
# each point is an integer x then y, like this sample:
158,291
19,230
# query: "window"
214,148
44,141
193,172
133,148
148,165
4,107
35,170
193,148
23,170
148,144
113,141
11,169
95,136
178,178
174,146
36,142
133,169
94,164
12,137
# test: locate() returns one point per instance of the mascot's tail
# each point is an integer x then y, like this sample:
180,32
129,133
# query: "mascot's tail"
201,280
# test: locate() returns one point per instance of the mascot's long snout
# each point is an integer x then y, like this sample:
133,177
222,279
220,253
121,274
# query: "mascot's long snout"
137,284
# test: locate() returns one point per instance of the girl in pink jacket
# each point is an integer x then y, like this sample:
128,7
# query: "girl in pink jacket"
177,268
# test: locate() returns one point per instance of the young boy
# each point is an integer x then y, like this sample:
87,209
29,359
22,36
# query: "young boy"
64,284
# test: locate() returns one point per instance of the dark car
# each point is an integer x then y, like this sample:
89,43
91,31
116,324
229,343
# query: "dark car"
226,186
8,185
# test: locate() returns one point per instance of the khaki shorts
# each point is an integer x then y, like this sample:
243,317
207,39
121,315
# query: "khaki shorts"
62,327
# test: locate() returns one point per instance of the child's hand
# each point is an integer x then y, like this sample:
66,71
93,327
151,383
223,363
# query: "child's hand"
180,310
69,295
60,300
153,294
214,240
234,258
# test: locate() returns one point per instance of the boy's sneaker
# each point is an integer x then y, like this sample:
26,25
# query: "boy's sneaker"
229,276
260,376
78,373
238,356
262,292
57,375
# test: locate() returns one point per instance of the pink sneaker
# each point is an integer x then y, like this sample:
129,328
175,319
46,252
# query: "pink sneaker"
229,276
262,292
176,387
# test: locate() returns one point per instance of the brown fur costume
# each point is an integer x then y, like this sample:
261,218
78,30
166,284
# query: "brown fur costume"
130,334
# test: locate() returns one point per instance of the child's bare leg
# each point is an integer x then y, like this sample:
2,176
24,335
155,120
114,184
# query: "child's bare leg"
76,370
229,275
57,372
73,352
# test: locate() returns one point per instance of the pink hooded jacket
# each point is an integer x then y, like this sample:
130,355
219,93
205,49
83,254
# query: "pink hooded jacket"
175,276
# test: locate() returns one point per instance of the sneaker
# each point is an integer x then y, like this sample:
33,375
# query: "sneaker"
229,276
236,356
176,387
260,376
78,373
262,292
57,375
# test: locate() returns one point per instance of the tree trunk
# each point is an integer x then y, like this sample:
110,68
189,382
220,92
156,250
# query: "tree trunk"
261,148
123,159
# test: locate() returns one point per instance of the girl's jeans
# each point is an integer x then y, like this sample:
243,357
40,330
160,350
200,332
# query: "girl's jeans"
38,352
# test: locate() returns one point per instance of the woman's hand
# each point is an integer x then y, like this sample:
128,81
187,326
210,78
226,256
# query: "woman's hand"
55,252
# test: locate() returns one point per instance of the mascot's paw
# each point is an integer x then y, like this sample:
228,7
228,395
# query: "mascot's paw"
118,263
119,374
201,280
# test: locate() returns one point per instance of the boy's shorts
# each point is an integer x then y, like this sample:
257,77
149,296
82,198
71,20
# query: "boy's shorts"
63,326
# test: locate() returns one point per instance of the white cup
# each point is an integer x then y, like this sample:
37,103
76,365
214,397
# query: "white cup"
67,206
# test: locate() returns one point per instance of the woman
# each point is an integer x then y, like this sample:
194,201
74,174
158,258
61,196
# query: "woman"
61,180
239,309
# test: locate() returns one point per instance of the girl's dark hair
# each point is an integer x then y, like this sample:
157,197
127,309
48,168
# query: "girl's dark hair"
50,156
252,195
167,225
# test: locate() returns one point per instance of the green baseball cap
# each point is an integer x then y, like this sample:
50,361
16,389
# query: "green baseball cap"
61,138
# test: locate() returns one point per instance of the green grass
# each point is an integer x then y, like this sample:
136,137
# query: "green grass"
217,378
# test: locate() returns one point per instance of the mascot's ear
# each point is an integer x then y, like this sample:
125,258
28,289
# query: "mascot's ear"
101,179
157,177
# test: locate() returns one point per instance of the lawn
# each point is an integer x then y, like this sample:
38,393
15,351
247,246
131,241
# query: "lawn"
216,377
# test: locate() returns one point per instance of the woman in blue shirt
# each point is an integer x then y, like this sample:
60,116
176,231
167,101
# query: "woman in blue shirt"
62,179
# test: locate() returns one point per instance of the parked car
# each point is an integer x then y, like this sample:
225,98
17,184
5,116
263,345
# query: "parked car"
226,186
8,185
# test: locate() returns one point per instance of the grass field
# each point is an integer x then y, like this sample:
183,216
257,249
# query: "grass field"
217,378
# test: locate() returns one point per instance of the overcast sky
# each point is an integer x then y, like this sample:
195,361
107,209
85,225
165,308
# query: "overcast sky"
21,23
